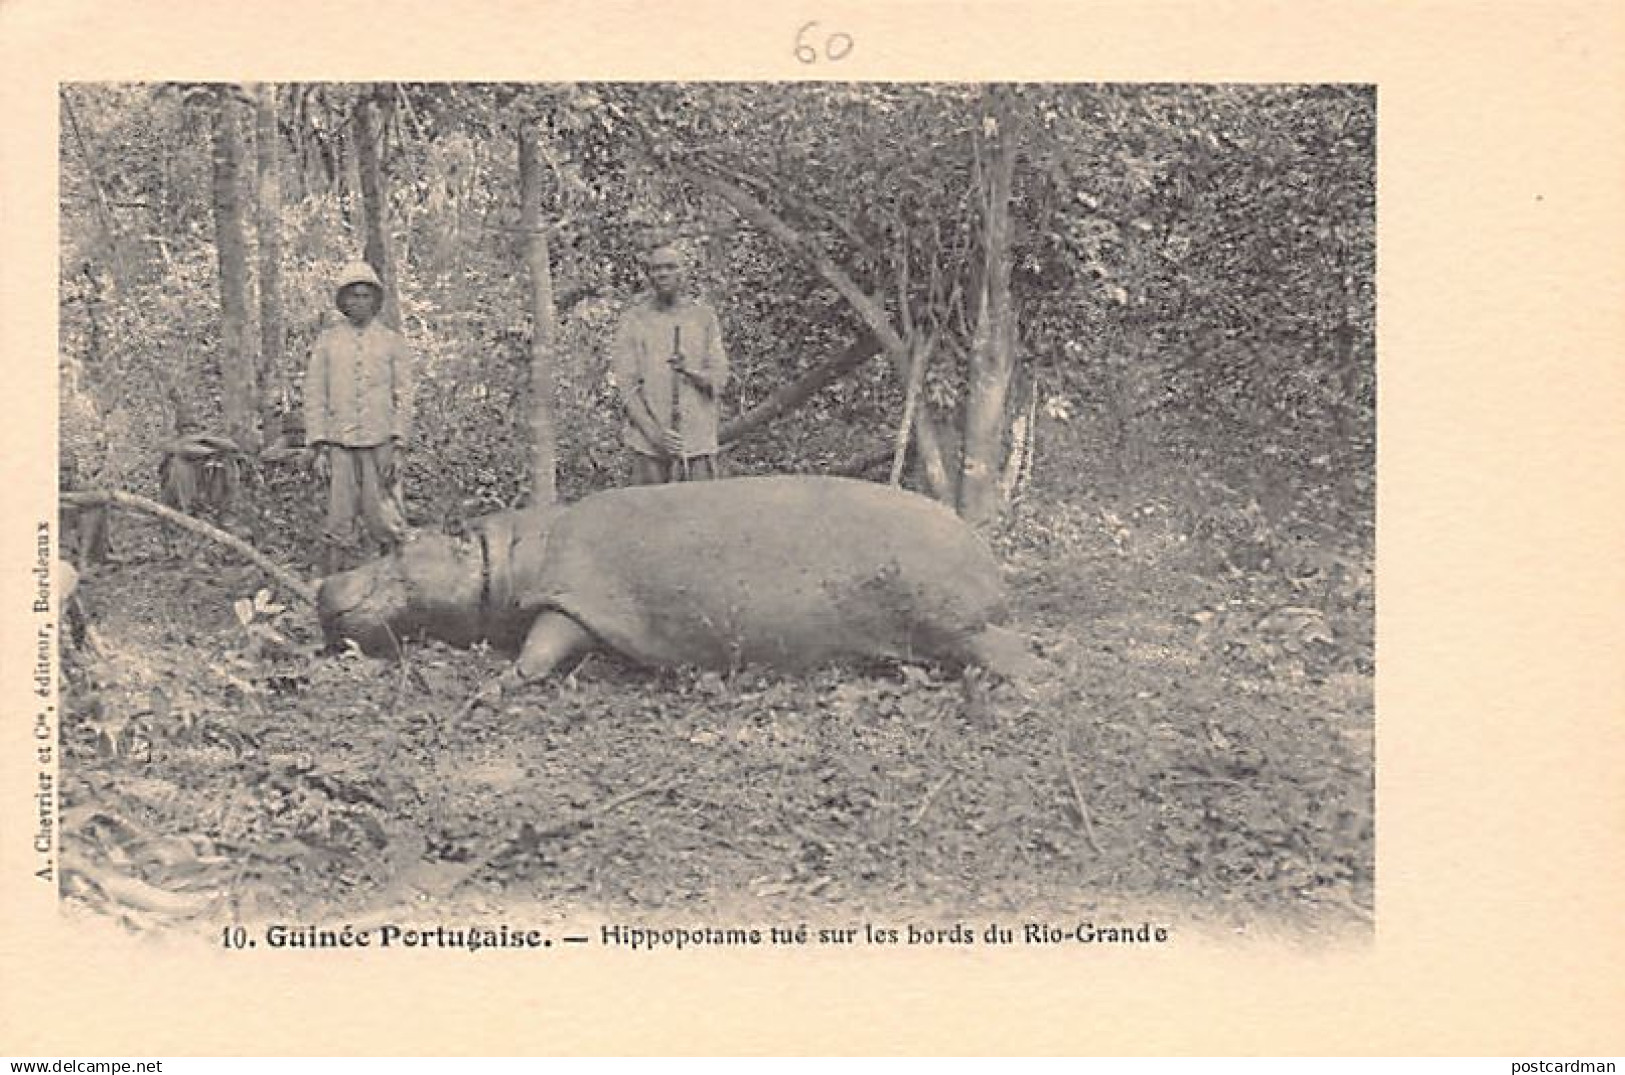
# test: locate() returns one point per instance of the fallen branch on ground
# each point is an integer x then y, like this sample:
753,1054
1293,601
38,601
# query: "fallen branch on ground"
496,849
94,498
930,797
131,892
1077,797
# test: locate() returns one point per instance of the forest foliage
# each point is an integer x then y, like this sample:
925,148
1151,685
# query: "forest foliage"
1183,268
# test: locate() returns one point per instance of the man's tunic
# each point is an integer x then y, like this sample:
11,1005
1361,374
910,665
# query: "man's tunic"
358,398
359,387
645,341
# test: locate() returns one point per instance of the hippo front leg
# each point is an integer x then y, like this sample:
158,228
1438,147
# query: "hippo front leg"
1002,652
554,639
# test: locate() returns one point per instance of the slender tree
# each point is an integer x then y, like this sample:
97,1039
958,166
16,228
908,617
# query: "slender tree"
543,321
236,348
993,342
371,106
268,223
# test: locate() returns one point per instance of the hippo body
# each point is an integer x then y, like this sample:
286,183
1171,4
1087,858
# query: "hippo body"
789,572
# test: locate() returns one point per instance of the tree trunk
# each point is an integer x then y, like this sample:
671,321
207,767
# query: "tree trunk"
795,394
373,200
89,525
911,399
268,201
992,356
1019,461
927,444
543,322
863,464
237,357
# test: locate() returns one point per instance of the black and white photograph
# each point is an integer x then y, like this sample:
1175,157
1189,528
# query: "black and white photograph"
896,529
891,506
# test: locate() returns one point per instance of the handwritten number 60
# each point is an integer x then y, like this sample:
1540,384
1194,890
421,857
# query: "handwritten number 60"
837,46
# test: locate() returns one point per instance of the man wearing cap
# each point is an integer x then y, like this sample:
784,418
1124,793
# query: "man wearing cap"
670,369
358,415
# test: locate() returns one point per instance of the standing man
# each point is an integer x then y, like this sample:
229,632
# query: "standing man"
670,368
358,416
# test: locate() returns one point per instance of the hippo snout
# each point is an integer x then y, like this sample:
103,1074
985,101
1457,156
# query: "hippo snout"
361,605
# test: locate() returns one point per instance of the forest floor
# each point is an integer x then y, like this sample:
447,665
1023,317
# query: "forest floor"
1199,753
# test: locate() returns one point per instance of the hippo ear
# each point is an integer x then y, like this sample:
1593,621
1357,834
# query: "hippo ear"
339,594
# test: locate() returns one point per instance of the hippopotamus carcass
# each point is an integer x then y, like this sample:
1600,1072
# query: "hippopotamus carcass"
788,572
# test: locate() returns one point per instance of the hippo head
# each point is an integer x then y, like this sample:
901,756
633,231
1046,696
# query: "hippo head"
431,586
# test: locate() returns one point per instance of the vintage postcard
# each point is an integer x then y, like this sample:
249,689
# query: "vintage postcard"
899,528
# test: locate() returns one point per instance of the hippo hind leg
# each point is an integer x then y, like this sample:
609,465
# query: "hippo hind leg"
554,639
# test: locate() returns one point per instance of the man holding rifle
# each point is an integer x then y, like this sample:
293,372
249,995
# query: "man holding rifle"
670,369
